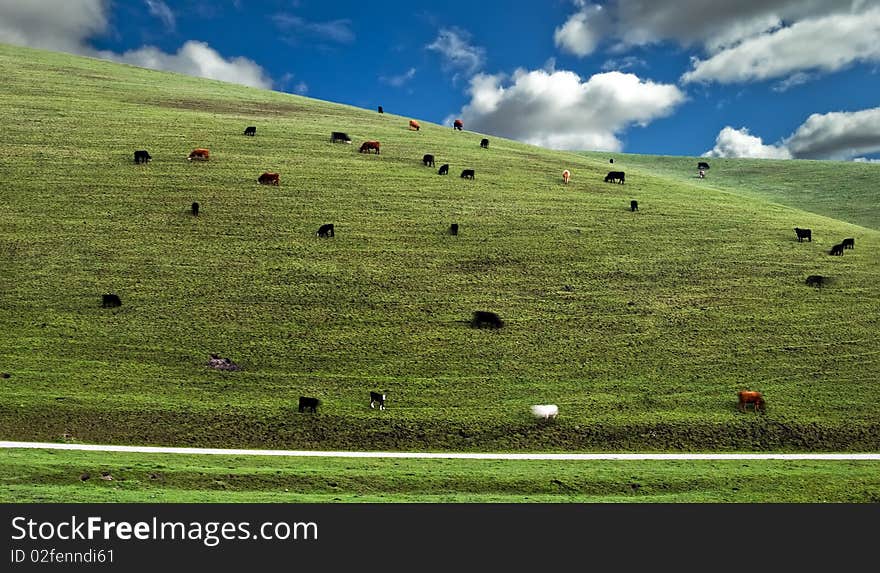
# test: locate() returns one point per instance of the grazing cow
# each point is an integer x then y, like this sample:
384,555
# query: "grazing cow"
484,318
338,136
453,229
376,398
444,169
803,234
141,156
614,176
428,160
201,154
195,209
816,281
381,110
545,411
250,130
633,206
367,146
702,166
836,250
325,231
467,174
484,143
458,124
269,179
701,174
750,397
222,363
310,404
566,175
110,301
413,124
849,243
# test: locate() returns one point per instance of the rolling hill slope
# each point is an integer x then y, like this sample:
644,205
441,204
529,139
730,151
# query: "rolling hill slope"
845,190
641,326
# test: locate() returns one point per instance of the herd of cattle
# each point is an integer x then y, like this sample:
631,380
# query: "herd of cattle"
480,319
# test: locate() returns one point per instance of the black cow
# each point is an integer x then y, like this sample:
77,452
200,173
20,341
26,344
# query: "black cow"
376,398
444,169
614,176
484,318
110,301
611,160
428,160
453,229
484,144
836,250
849,243
306,403
195,209
381,110
803,234
250,130
815,280
339,136
141,156
702,165
325,231
634,206
467,174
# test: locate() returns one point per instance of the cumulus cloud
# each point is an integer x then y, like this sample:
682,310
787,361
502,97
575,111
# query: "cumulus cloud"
399,80
824,44
457,51
161,10
582,31
69,25
61,25
195,59
740,143
835,135
556,109
746,40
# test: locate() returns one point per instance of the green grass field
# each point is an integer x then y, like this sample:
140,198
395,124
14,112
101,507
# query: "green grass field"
37,476
844,190
640,326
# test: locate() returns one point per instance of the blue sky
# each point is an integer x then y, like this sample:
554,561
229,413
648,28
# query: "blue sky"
752,78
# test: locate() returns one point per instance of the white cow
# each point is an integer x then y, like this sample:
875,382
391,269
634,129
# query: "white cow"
545,411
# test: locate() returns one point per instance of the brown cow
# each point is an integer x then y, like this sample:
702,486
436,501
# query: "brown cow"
269,179
566,175
413,124
458,124
750,397
367,146
201,154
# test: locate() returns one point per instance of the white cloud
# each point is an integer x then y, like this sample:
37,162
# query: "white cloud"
160,10
742,41
69,25
582,31
60,25
624,63
835,135
740,143
399,80
458,53
823,44
196,59
866,160
338,31
560,111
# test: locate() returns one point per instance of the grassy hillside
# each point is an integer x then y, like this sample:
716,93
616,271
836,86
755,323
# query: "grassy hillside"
49,476
641,326
843,190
